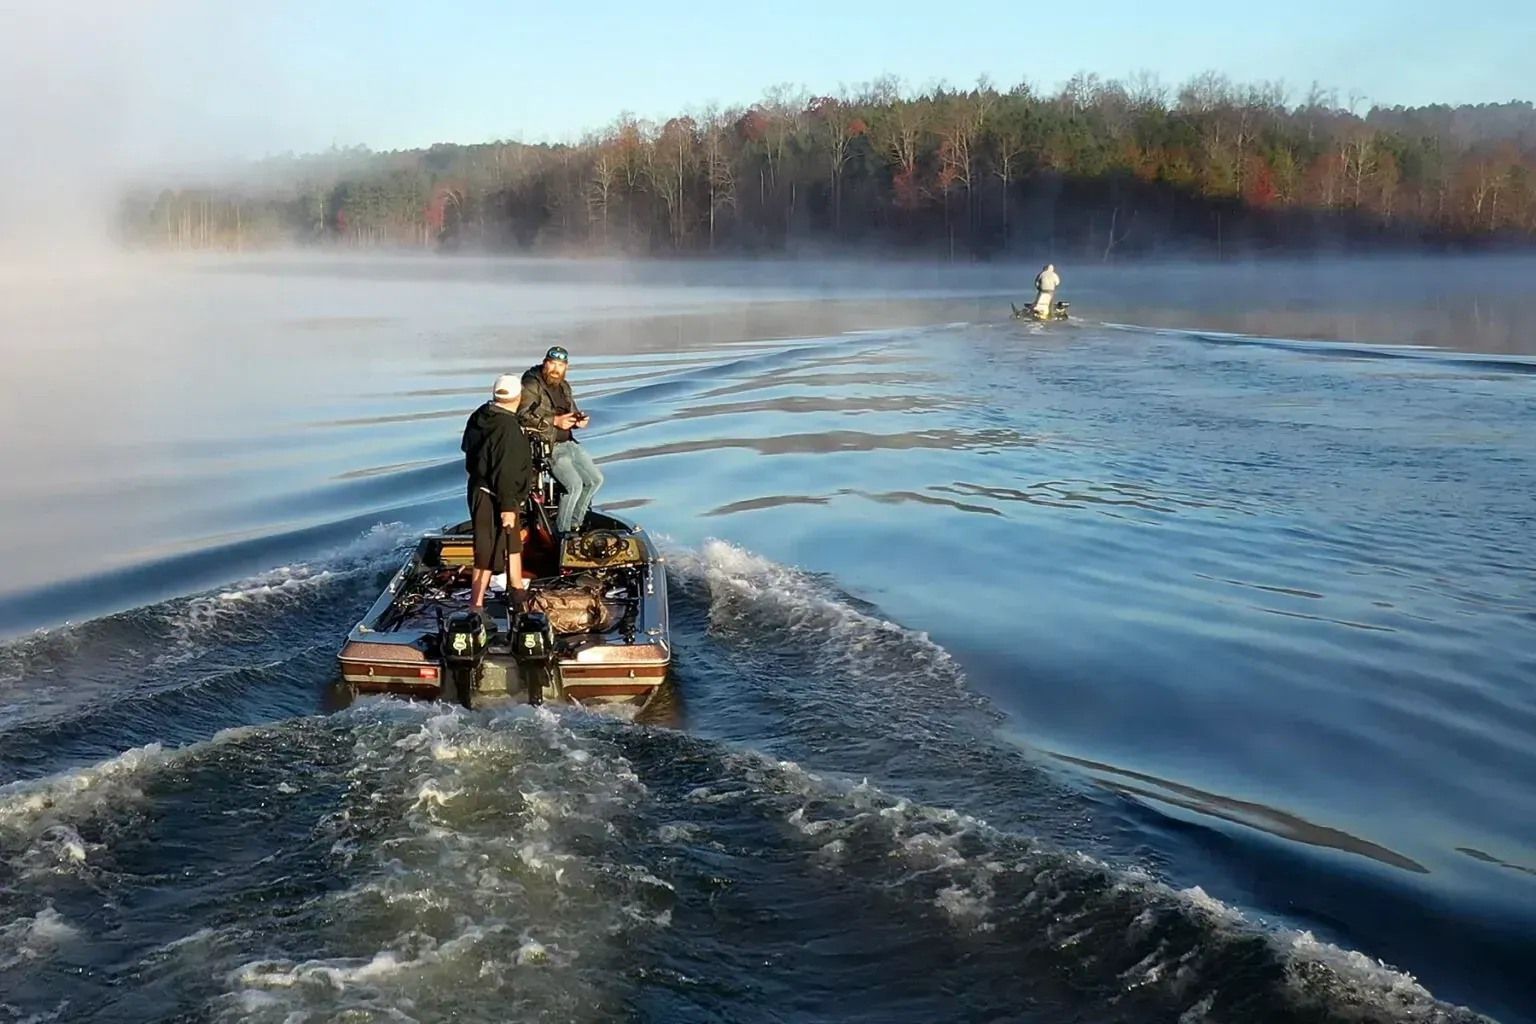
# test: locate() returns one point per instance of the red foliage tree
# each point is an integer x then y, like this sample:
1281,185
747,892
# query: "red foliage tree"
906,190
752,126
1259,182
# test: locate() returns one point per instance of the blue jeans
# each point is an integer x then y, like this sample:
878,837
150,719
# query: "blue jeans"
580,477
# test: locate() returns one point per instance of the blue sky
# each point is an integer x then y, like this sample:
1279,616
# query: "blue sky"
194,80
407,74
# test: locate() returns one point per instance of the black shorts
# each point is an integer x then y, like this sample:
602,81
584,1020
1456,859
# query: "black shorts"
492,543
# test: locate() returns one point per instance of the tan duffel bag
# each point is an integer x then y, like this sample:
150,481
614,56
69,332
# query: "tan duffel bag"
572,604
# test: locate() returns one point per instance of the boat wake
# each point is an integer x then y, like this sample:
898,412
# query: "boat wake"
415,861
424,862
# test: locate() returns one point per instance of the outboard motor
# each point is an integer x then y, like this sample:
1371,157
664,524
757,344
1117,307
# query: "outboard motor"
533,645
461,642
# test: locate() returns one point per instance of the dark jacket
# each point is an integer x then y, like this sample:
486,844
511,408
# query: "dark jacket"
541,402
497,456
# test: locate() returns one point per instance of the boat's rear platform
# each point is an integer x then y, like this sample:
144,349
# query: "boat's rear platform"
593,629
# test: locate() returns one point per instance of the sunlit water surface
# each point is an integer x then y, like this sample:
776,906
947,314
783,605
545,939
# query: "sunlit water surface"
1131,669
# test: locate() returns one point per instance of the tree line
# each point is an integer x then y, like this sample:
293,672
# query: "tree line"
1099,169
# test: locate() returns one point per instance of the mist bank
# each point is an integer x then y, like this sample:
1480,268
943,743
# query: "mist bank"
1100,170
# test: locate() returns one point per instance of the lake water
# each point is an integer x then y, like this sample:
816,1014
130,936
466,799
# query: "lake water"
1175,663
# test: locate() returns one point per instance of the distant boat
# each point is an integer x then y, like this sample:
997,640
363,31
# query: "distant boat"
1057,312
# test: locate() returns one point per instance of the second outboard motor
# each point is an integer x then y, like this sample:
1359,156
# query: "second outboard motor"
462,642
533,645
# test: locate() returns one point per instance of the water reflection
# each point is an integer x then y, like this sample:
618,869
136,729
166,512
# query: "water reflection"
836,441
767,501
396,467
821,380
1241,812
1488,858
1085,494
626,503
1505,331
882,497
1048,494
1287,591
374,421
1323,618
803,404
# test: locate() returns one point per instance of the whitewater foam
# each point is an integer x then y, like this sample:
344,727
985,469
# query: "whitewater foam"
34,938
287,583
1083,907
801,602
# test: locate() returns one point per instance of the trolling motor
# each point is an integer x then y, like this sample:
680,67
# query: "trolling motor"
533,646
461,642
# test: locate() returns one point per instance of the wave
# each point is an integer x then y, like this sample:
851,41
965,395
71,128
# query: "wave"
564,866
44,609
424,862
1412,354
183,668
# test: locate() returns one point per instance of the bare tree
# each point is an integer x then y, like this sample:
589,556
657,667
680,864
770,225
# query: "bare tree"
784,105
960,122
719,171
672,159
1008,142
1147,92
1206,92
1113,240
1357,158
607,172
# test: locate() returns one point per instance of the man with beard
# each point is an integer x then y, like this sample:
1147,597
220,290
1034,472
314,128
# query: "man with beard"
500,467
549,409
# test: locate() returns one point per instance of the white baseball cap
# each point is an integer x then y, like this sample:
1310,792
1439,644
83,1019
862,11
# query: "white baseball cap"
506,386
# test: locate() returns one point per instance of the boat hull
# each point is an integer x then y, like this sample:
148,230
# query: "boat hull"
395,648
1057,312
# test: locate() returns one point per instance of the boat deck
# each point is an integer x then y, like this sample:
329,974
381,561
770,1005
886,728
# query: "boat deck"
625,657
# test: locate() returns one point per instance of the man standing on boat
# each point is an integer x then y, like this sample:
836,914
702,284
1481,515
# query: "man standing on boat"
549,409
1046,283
500,467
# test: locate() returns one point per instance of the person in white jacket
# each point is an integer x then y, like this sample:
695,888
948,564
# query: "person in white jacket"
1046,283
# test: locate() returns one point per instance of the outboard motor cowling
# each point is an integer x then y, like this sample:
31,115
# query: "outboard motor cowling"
461,644
533,645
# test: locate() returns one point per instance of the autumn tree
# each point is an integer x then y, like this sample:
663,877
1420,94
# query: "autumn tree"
1180,165
958,124
838,123
898,131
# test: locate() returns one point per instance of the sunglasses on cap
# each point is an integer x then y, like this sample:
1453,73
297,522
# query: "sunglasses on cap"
559,354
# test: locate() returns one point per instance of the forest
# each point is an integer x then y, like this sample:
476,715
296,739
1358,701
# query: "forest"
1100,169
